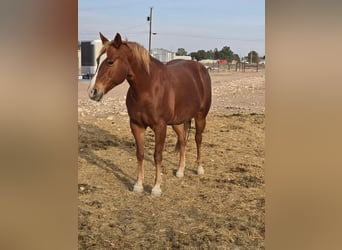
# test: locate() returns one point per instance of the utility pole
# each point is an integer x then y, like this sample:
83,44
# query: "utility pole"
149,18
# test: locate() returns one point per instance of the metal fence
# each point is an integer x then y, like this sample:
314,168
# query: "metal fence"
238,67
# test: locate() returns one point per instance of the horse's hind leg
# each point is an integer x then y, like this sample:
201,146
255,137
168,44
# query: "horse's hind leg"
160,133
180,131
200,123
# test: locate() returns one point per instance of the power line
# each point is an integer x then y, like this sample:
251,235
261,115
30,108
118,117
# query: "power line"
149,19
136,32
210,37
135,26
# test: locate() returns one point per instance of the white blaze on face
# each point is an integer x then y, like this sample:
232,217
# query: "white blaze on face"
103,57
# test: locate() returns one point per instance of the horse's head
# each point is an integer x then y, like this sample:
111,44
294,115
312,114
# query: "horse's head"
112,67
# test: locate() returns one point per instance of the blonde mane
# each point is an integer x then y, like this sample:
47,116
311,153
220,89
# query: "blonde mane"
138,51
141,54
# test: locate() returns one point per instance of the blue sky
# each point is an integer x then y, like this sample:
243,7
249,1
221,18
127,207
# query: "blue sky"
188,24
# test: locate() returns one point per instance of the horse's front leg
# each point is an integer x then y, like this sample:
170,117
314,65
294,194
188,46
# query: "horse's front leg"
139,136
160,134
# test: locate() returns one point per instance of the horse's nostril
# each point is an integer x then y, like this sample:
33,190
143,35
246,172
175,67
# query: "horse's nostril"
93,92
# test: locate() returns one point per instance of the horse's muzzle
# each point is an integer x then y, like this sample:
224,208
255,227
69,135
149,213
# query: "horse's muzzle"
95,94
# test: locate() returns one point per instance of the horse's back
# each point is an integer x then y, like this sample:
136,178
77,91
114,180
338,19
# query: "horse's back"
187,68
184,64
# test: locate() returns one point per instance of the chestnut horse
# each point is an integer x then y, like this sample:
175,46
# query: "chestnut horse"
158,95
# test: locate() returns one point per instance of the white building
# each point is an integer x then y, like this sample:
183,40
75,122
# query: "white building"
183,57
163,55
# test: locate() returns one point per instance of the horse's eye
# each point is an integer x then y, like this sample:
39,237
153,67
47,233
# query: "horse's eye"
110,62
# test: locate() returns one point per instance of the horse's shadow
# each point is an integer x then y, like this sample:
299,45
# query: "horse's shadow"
93,138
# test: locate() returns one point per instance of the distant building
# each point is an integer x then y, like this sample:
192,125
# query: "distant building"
89,52
183,57
79,61
163,55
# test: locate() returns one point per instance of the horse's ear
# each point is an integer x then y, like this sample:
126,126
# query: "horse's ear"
103,38
117,40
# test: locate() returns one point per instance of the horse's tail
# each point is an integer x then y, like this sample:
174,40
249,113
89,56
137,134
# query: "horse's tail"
187,127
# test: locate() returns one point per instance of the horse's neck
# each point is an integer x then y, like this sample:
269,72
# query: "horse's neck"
136,77
140,77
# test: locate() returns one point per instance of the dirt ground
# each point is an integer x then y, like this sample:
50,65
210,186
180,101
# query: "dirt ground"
222,209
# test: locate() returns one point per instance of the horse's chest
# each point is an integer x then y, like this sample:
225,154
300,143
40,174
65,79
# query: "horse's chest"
140,113
147,112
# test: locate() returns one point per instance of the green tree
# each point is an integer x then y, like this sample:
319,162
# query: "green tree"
210,54
181,52
194,55
226,53
199,55
236,57
253,57
216,54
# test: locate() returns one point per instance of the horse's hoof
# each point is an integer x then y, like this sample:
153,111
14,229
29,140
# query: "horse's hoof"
138,188
156,191
200,170
179,174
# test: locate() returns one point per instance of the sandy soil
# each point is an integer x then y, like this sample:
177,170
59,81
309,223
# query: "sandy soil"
223,209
